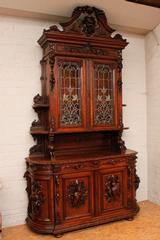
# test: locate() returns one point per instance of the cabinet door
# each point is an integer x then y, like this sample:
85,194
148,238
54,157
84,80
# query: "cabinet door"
104,99
70,110
112,190
75,198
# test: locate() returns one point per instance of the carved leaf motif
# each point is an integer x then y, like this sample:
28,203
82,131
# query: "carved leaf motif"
112,188
77,194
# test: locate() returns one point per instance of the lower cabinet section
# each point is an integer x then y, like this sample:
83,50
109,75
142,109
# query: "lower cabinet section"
63,198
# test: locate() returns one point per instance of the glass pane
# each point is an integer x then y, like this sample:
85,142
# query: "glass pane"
104,102
70,94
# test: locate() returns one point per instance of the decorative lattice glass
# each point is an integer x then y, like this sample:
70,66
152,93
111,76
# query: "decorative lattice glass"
104,95
70,94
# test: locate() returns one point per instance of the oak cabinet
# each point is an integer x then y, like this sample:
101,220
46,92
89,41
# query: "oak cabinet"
79,172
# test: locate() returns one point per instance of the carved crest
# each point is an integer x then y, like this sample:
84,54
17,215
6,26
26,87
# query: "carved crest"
88,21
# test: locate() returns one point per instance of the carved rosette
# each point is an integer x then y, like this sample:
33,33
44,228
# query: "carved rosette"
112,188
36,197
77,194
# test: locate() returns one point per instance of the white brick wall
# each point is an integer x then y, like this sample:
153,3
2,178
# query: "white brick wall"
19,83
134,95
153,113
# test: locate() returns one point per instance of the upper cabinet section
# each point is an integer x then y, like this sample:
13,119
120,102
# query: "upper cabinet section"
81,73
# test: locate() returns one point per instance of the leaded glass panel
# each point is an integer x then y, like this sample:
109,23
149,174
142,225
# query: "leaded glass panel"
104,95
70,94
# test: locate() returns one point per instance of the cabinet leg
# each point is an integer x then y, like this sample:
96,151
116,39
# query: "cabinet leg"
58,235
130,219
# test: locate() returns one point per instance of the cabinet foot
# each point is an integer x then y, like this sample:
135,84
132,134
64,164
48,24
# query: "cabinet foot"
130,219
58,235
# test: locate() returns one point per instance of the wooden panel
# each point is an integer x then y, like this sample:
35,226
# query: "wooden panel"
113,190
77,194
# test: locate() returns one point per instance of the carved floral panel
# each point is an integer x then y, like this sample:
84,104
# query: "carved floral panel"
77,193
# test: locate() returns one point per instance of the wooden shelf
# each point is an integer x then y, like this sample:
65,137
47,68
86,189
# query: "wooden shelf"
125,128
37,105
39,131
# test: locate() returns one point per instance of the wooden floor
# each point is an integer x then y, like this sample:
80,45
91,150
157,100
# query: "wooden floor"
146,226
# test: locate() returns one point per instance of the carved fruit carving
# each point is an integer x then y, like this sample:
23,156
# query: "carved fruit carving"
36,197
112,188
77,194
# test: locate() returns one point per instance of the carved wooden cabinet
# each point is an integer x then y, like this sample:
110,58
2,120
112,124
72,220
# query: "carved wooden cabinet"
79,172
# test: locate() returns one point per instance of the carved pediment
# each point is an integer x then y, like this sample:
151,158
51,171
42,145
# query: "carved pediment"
88,21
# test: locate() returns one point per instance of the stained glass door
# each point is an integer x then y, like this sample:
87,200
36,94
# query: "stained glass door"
71,91
103,97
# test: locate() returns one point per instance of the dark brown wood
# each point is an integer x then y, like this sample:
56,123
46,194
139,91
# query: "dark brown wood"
79,172
0,224
151,3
